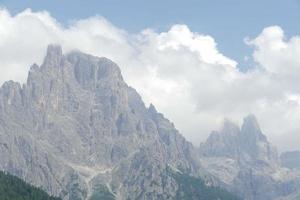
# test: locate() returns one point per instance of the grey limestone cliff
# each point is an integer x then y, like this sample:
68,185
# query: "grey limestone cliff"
246,162
75,128
290,159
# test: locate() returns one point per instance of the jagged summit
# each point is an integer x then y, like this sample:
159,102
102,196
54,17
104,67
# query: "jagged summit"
54,55
54,49
95,67
76,126
247,143
76,129
152,109
230,127
290,159
243,158
251,129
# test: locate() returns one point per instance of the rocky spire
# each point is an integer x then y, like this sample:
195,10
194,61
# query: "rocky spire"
222,143
251,131
54,56
152,110
247,143
76,125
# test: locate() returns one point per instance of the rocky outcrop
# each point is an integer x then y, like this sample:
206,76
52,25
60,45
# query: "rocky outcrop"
246,144
244,160
77,130
76,126
290,159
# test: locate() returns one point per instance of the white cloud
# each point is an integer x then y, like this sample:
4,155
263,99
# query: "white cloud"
182,72
275,53
279,57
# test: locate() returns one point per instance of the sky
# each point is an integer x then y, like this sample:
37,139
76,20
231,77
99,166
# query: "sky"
229,21
198,62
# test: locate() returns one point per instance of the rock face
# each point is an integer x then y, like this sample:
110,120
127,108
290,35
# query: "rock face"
247,144
290,159
244,160
76,129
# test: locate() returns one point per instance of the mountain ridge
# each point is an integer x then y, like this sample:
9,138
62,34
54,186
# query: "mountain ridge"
77,130
243,159
11,187
76,124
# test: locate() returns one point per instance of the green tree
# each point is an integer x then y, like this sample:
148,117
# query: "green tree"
13,188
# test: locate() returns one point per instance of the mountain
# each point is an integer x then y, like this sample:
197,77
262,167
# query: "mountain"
78,131
290,159
11,187
247,145
244,160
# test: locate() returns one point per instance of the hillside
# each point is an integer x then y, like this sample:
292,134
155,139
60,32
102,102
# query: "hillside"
76,129
13,188
194,188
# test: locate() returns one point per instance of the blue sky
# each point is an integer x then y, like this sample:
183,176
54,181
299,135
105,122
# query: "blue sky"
228,21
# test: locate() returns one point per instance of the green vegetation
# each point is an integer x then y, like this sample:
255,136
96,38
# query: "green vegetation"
101,192
189,188
13,188
192,188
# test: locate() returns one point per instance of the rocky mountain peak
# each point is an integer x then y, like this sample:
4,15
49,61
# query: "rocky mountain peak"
290,159
246,144
222,143
251,130
54,55
152,110
77,129
90,70
243,158
76,125
230,129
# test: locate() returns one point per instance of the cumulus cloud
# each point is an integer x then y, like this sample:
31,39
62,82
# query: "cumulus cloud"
182,72
278,56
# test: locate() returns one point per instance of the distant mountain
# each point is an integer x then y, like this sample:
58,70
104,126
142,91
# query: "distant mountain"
13,188
290,159
247,144
244,160
78,131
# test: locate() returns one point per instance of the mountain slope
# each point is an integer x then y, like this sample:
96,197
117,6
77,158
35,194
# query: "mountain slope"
14,188
291,159
192,188
78,131
244,160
